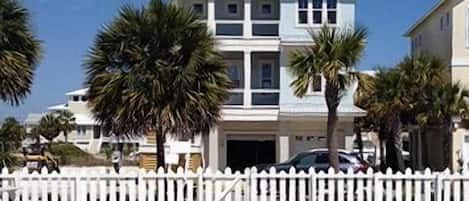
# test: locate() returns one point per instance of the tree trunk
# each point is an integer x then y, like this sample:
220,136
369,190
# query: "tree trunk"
66,137
360,143
160,140
394,157
332,101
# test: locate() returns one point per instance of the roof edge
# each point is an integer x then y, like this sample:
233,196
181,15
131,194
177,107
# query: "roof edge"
424,17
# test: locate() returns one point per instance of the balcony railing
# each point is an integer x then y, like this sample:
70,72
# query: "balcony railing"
265,27
265,97
240,28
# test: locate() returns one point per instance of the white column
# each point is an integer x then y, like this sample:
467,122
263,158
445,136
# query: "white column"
213,148
211,16
247,78
247,25
283,142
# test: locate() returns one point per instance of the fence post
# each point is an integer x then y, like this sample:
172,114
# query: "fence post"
312,186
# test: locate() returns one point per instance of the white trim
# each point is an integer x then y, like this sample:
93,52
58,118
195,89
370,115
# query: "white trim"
459,62
250,114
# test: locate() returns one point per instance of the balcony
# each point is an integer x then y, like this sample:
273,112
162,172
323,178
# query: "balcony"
262,89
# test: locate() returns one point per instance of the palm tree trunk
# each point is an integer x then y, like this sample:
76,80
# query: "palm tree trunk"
160,140
394,157
332,145
66,137
332,101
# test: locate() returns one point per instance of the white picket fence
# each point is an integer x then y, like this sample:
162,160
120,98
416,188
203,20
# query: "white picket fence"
250,185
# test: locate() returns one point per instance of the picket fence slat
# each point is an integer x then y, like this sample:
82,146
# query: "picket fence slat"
250,185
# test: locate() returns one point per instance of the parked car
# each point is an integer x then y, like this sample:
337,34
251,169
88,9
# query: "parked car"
318,159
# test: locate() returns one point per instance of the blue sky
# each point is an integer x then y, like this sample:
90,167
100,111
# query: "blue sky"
67,29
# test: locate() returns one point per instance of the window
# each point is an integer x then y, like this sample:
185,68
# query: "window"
266,71
232,8
84,98
467,28
317,11
442,20
302,11
81,130
316,85
234,74
198,8
332,11
322,158
266,9
76,98
307,160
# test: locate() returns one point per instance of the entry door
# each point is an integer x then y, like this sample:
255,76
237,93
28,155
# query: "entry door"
248,153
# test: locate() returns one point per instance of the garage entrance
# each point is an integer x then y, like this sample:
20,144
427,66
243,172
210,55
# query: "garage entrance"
247,152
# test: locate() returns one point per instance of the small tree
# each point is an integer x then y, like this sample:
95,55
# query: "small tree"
49,127
11,135
67,122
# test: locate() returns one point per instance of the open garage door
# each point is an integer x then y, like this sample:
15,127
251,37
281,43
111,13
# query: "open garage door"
244,151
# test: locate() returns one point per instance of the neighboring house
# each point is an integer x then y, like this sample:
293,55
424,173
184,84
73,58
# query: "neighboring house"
87,134
444,32
262,120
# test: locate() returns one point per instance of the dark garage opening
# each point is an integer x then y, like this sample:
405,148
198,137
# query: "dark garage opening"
247,153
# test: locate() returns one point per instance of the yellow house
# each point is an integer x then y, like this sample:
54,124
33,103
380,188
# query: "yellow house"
444,32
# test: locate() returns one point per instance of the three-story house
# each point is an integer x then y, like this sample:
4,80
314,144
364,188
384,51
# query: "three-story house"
262,120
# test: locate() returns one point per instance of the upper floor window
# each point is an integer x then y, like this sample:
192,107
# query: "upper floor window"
332,11
467,28
303,11
232,8
267,74
444,21
198,8
266,9
316,85
234,73
317,12
84,98
76,98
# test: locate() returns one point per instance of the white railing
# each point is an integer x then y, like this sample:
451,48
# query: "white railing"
249,185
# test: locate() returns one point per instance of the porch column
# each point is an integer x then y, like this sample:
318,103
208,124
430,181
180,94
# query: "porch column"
283,142
213,148
247,23
211,16
247,79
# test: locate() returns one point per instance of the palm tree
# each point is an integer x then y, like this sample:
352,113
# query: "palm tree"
144,79
19,52
438,106
386,104
11,135
67,122
49,127
333,55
